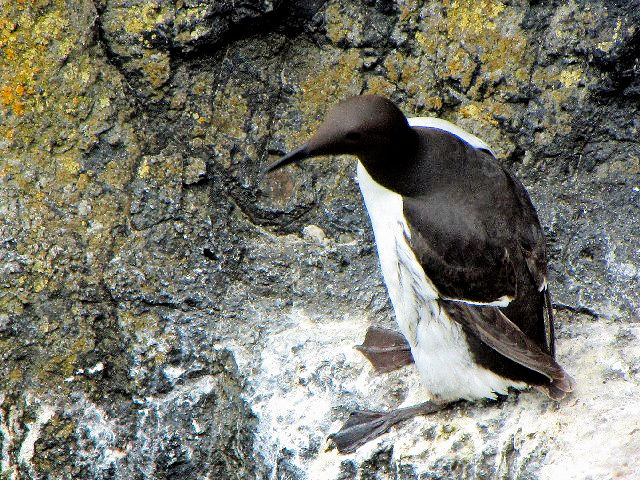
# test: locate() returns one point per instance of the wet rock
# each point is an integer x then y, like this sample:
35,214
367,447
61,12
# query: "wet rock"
166,311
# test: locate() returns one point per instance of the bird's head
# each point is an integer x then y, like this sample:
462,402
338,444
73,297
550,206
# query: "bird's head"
368,126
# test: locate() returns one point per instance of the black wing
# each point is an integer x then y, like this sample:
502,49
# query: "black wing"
452,245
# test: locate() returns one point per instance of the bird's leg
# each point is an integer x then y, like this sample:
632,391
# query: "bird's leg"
364,426
387,350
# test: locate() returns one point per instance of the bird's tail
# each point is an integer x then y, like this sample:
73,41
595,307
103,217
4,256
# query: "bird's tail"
550,329
558,388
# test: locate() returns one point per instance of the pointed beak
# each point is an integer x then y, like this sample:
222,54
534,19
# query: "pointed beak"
298,154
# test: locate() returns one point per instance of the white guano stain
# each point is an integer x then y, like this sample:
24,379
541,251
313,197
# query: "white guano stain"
24,436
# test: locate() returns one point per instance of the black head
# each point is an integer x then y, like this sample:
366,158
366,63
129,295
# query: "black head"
367,126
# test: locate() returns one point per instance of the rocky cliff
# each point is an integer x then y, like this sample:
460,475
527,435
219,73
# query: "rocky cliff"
167,313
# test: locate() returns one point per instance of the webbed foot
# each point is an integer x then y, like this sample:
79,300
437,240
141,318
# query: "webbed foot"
366,425
387,350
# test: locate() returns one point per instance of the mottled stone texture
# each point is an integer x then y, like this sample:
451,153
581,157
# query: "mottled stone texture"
167,313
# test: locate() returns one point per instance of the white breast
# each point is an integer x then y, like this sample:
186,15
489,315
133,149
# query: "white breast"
437,343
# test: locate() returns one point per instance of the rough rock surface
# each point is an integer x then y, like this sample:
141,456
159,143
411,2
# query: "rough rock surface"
167,313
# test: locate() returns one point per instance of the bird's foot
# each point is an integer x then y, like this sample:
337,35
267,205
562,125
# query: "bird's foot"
387,350
366,425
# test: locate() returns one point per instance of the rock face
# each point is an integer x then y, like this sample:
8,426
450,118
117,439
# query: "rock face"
165,312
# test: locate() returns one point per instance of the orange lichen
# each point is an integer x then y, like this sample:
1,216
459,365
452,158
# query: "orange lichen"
18,108
6,94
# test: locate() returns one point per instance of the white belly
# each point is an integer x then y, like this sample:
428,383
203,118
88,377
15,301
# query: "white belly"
437,343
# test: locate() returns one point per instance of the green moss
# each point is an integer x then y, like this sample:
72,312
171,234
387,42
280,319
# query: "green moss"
447,431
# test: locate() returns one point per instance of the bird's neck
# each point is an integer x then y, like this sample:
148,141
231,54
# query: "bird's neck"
391,163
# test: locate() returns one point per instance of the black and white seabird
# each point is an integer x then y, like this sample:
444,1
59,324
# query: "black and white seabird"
462,254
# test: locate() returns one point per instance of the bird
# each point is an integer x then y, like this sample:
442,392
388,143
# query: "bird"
462,254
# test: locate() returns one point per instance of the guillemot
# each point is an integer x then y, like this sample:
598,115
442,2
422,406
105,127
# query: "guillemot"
462,254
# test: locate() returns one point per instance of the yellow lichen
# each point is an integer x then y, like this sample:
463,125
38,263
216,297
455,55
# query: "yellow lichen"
570,77
15,375
461,66
479,54
144,169
10,53
228,128
607,45
25,60
471,16
116,174
83,181
482,112
62,365
70,164
421,38
506,52
6,94
391,64
157,68
330,80
434,103
470,110
146,18
18,108
409,70
380,86
39,284
341,25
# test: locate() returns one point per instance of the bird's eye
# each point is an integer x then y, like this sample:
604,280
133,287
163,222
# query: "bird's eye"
353,136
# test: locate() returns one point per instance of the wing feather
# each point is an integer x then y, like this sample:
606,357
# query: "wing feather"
494,329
